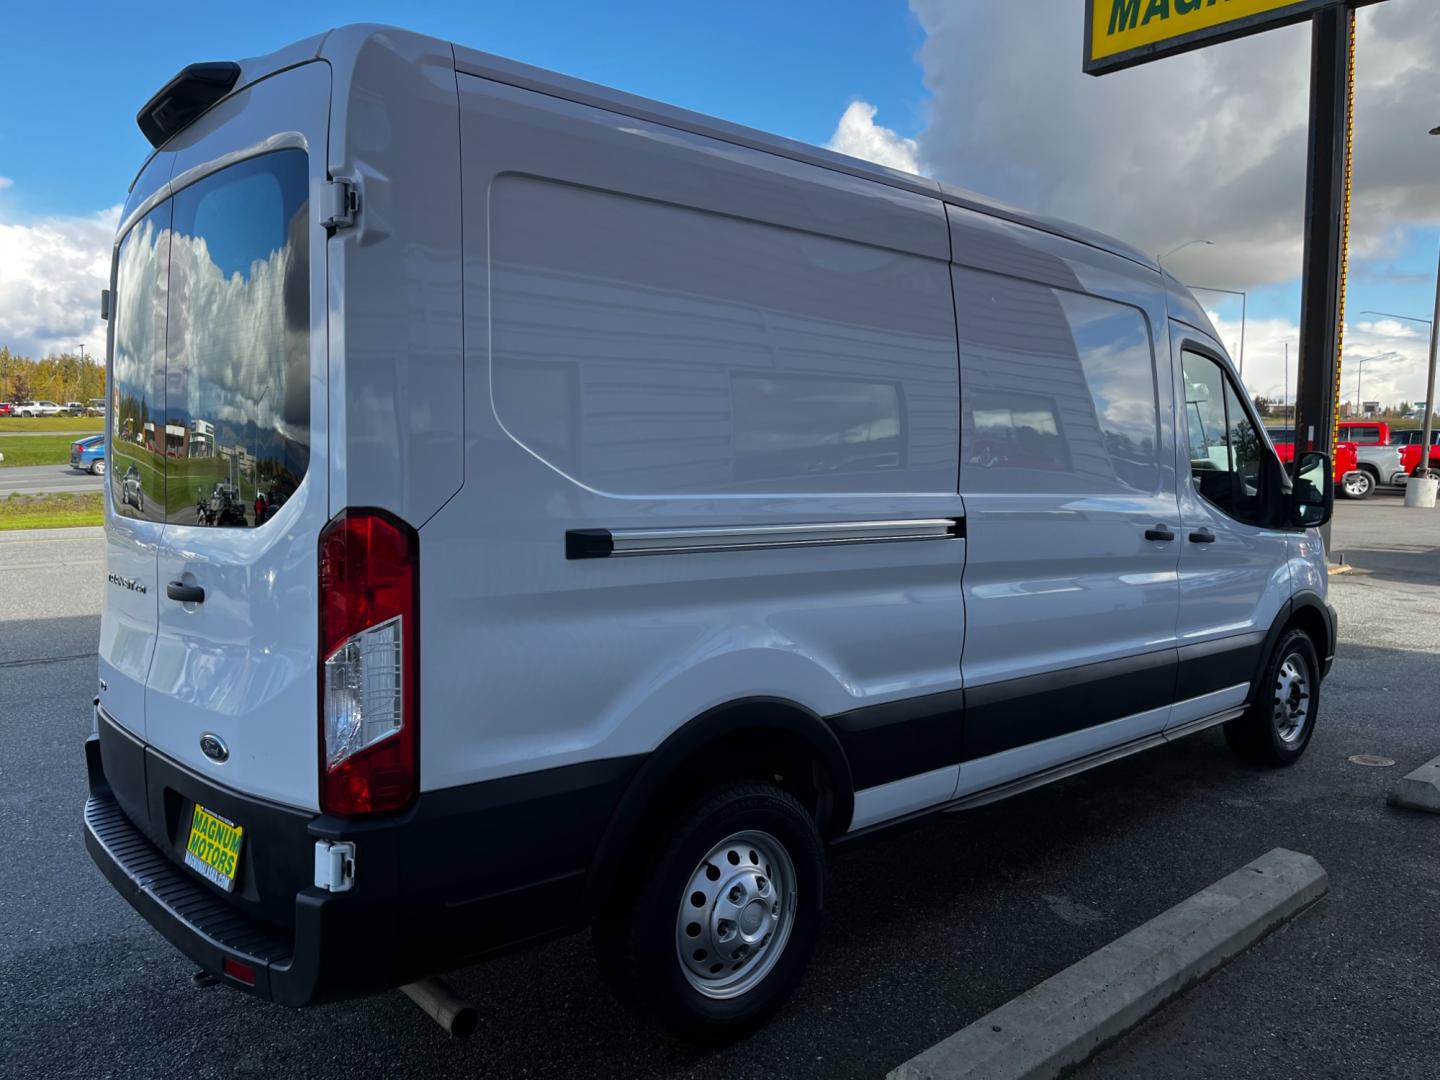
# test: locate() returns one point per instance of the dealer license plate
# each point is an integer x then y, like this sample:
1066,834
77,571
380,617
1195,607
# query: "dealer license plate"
213,850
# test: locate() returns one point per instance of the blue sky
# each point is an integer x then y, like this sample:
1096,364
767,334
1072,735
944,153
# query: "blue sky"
987,97
788,68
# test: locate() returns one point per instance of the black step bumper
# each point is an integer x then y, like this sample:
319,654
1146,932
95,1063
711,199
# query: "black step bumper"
462,874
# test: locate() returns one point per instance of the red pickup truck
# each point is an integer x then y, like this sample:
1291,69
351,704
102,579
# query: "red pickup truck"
1350,482
1364,432
1409,444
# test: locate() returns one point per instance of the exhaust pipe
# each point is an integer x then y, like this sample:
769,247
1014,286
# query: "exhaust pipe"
439,1002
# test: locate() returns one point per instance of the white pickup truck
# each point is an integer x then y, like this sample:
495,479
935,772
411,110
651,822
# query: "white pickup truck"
38,408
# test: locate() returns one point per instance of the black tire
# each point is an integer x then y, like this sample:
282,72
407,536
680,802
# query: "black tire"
1261,736
636,935
1358,485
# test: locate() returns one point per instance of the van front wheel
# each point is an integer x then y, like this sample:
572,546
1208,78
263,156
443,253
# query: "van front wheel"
1277,726
714,932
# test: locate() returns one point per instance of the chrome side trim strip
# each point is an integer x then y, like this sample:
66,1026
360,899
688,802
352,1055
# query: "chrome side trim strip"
603,543
1058,772
1084,764
1204,722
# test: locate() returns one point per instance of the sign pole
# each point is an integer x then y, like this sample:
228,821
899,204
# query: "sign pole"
1317,379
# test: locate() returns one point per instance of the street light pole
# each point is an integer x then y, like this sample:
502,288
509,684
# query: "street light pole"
1360,378
1423,465
1244,310
1160,259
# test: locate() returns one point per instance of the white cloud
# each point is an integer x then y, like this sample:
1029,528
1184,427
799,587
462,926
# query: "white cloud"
5,182
51,274
1207,145
858,135
1395,356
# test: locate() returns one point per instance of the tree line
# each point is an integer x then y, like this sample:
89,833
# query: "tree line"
60,378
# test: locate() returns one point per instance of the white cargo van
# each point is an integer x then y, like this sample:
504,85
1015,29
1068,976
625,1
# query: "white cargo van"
533,508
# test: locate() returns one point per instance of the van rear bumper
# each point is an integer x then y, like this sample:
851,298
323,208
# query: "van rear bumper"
462,874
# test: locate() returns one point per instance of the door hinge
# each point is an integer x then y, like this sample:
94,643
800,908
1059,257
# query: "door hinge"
342,204
335,865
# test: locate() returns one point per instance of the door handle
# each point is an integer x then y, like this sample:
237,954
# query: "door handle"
1159,532
1202,536
186,594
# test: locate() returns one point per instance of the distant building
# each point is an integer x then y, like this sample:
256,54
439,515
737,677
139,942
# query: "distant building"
202,439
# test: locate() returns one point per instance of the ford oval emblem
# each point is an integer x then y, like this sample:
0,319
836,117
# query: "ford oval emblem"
213,747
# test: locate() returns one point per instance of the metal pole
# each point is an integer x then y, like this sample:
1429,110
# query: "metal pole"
1244,312
1244,309
1317,378
1286,394
1424,460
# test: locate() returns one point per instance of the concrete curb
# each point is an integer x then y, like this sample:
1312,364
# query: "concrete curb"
1065,1019
1420,790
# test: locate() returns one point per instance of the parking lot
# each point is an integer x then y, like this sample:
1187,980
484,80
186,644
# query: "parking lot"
929,927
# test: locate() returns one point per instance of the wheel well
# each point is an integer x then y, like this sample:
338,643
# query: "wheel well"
760,740
755,752
1313,623
1367,467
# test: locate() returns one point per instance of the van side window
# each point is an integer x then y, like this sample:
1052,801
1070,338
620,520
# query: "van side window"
137,382
1057,390
1226,449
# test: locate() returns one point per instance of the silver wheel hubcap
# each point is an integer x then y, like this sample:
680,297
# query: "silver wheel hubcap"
1292,698
1357,486
736,914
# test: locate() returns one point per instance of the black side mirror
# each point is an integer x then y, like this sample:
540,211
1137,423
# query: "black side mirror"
1312,498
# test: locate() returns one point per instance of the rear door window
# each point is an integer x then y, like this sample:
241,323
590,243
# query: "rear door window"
236,432
137,384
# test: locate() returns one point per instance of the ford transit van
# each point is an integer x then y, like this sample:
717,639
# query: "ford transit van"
533,508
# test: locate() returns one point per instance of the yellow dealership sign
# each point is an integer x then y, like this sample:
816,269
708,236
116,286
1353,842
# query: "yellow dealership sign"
1123,33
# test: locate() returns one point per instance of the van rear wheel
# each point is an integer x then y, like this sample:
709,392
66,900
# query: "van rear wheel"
1277,726
713,932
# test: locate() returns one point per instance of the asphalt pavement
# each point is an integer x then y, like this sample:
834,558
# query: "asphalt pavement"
929,926
46,479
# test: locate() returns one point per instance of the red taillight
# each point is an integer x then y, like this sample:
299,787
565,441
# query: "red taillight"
240,972
369,670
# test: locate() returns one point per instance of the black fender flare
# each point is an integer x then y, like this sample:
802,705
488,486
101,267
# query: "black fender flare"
661,764
1305,599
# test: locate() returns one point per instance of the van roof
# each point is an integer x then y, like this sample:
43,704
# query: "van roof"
341,46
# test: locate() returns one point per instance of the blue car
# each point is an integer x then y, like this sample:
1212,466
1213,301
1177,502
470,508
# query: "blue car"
88,455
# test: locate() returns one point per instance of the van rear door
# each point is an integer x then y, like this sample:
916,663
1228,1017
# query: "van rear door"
244,496
135,518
